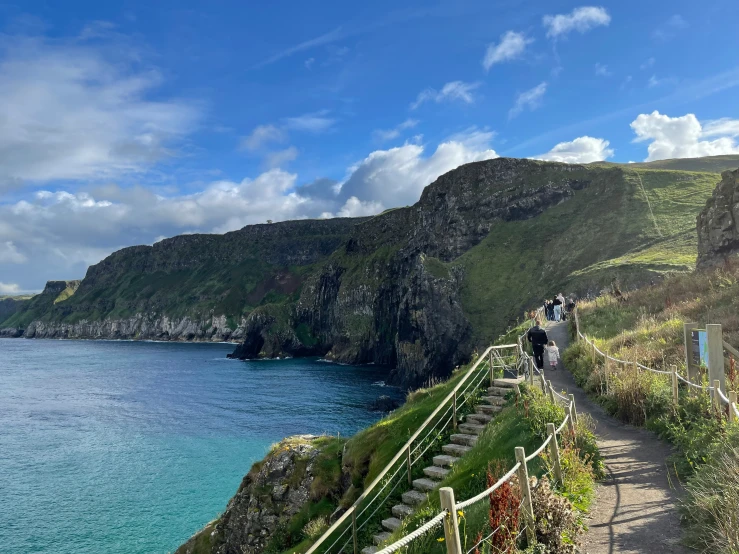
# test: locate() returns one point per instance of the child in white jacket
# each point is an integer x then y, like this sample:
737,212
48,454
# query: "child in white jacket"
552,354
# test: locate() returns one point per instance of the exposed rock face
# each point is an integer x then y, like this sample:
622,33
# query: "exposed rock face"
718,235
270,494
379,299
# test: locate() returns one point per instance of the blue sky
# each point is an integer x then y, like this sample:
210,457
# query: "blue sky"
127,122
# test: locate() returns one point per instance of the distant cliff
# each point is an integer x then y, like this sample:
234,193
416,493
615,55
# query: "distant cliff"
415,289
718,232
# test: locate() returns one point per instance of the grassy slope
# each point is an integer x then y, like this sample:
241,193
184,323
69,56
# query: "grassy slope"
605,233
715,164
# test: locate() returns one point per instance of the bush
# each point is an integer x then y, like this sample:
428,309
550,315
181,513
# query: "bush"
639,396
586,446
315,528
711,504
558,525
540,411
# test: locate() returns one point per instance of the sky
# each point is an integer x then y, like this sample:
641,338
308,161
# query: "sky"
125,122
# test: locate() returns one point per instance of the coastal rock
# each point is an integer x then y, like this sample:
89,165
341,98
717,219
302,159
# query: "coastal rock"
383,404
718,235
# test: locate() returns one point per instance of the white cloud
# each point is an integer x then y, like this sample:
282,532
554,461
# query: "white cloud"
9,253
281,157
530,99
580,19
681,137
654,81
510,47
454,90
354,207
396,177
602,70
649,62
261,136
9,288
383,135
309,63
316,122
82,113
581,150
670,28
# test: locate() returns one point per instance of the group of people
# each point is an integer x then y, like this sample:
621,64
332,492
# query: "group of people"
558,308
554,310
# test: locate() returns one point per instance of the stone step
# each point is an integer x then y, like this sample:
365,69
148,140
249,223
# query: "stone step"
488,409
380,538
425,485
471,428
435,472
391,523
498,391
455,449
494,400
444,460
370,550
466,440
507,383
413,498
401,511
479,419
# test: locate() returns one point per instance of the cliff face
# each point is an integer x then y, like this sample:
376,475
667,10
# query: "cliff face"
384,297
718,235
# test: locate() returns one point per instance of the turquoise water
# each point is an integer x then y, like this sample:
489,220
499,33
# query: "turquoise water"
126,447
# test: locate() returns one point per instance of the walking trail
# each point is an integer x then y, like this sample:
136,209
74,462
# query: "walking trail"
635,507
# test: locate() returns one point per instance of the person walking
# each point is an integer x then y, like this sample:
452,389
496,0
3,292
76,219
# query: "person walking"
557,304
562,306
538,338
552,354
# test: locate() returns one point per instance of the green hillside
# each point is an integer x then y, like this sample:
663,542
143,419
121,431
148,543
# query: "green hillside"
710,164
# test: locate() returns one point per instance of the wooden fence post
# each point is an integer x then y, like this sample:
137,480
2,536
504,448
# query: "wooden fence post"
410,465
574,409
732,403
675,397
592,352
606,370
354,532
715,340
451,524
531,371
716,397
543,383
692,369
554,450
528,507
571,421
551,392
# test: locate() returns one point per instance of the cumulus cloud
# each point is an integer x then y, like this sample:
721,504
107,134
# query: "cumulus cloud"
510,47
453,91
82,113
670,28
530,99
580,19
9,288
261,136
9,254
384,135
579,151
280,158
685,136
316,122
354,207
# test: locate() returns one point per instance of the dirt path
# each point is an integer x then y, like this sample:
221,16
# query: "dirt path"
635,506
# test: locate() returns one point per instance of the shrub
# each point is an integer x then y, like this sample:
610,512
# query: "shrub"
315,528
504,513
558,525
639,395
586,446
541,411
711,505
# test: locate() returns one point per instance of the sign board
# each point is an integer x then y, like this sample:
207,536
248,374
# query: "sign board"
700,347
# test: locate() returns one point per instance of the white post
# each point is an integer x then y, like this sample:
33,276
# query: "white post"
715,341
574,410
551,393
732,403
716,397
554,450
531,371
451,524
675,397
528,507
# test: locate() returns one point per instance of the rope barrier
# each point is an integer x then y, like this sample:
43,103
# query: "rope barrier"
539,450
487,492
559,429
436,521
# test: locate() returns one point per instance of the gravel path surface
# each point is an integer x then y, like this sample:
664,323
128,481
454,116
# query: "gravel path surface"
635,507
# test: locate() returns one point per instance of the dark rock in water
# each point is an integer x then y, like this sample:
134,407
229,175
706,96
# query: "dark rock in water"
718,235
383,404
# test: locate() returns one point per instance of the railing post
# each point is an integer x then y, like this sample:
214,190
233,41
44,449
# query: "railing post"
592,352
410,465
531,371
543,383
571,421
554,451
454,417
451,525
716,397
528,507
692,369
574,409
551,392
606,369
354,532
732,403
715,340
675,397
492,371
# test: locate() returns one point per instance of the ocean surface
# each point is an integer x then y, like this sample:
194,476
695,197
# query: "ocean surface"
130,447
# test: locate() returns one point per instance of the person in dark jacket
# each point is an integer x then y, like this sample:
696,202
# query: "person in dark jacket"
538,338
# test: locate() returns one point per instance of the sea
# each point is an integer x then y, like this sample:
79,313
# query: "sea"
131,447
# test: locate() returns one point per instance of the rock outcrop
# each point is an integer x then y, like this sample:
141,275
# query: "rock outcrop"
718,235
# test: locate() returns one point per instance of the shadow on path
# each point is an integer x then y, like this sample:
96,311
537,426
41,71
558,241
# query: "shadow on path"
635,506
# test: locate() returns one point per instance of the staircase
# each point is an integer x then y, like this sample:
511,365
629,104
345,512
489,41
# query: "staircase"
461,443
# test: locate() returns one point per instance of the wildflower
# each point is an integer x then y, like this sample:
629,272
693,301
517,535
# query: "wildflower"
440,539
460,514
